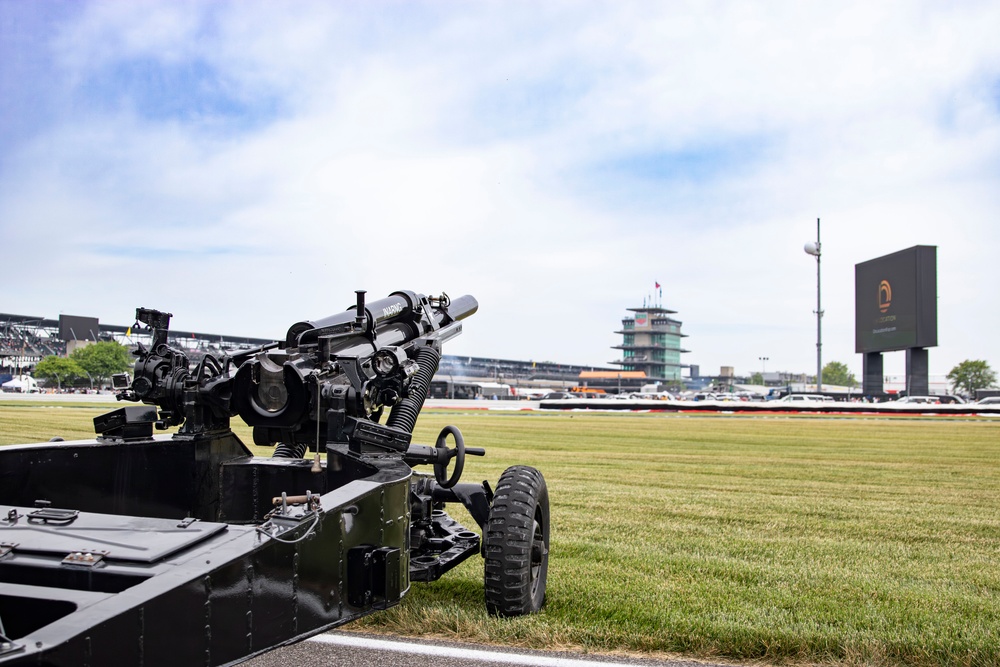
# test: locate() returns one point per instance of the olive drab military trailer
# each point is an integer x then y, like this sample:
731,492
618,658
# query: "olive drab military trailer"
185,549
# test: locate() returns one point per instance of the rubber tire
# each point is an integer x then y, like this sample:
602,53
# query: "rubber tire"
516,546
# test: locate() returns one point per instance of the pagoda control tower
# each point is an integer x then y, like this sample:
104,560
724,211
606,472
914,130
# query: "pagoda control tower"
651,342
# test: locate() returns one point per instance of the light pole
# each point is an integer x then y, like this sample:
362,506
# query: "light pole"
763,369
814,250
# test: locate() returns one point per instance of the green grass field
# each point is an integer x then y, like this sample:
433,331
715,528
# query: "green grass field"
781,540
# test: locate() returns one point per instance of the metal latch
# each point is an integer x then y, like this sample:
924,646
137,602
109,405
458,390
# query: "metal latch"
289,513
85,558
53,515
6,548
47,514
284,503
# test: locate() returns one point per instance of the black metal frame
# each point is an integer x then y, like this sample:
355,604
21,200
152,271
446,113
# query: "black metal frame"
186,549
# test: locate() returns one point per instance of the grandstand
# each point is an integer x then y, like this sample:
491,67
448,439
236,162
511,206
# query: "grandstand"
26,340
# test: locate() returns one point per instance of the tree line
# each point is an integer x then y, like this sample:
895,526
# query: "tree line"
97,362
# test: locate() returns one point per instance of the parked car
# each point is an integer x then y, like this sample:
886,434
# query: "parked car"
648,396
558,395
919,400
989,400
805,398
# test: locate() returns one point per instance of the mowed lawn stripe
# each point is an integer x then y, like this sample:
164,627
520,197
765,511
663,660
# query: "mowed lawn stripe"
865,541
781,539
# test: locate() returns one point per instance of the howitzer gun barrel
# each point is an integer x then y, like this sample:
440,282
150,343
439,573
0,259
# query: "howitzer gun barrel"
398,307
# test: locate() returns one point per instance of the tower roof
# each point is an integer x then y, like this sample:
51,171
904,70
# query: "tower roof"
656,310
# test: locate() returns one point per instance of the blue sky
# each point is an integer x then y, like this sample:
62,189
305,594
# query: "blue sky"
248,165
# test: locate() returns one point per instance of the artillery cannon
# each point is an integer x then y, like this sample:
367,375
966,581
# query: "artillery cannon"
135,548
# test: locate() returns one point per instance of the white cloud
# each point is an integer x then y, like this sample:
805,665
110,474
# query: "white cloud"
525,154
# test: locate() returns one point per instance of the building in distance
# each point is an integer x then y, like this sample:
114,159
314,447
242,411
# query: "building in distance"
651,343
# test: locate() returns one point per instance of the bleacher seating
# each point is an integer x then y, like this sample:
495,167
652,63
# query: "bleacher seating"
30,339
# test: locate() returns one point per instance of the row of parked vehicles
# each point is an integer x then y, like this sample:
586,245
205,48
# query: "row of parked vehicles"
944,399
939,400
749,396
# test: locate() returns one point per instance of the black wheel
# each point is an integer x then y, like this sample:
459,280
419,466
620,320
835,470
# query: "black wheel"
441,468
517,544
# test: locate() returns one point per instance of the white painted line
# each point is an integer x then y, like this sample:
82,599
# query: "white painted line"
459,653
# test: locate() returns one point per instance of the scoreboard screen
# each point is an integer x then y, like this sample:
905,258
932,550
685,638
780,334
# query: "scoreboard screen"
895,301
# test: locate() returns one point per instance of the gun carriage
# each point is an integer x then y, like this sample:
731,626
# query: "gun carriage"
135,548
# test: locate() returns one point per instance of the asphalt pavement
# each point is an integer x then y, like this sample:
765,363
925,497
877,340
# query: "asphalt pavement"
369,650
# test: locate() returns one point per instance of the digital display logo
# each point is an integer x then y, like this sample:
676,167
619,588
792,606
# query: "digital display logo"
884,296
641,320
895,301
